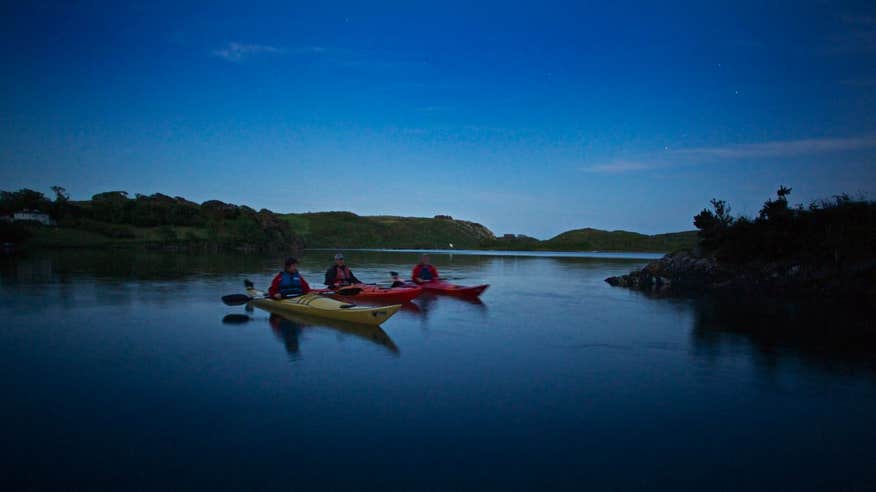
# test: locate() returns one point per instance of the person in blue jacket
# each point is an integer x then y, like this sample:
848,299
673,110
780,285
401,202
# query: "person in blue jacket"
289,282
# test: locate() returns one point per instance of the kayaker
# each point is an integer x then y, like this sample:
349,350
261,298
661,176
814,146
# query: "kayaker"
289,282
339,274
396,282
424,271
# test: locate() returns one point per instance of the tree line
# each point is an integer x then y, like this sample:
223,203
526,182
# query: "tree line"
117,215
834,231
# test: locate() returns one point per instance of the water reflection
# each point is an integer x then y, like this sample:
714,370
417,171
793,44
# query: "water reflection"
428,302
236,319
412,308
64,266
791,404
288,329
829,336
128,264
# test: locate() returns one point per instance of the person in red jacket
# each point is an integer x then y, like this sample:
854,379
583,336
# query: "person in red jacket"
289,282
423,271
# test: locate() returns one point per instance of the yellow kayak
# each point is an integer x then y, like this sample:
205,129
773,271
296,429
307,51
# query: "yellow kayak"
323,307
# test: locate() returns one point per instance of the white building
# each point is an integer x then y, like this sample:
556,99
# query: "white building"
34,215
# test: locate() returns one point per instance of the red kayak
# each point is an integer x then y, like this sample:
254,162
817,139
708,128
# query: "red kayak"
442,287
377,294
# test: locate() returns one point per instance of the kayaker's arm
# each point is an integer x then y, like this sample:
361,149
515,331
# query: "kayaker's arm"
274,290
330,276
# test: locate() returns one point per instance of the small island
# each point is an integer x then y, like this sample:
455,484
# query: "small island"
825,250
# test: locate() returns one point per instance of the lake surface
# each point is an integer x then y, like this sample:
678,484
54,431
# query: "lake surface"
122,370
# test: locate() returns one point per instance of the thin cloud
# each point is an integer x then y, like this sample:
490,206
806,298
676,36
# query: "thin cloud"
781,148
237,52
619,167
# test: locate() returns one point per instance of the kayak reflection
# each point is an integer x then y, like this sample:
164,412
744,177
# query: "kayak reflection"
428,303
407,306
412,307
428,299
288,329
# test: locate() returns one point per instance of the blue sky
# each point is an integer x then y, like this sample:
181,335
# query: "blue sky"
529,118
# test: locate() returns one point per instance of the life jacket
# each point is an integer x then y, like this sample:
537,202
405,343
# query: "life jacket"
341,275
290,284
425,273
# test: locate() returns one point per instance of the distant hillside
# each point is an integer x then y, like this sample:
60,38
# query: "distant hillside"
348,230
114,218
597,240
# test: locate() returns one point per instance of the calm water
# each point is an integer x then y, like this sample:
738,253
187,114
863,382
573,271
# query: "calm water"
117,370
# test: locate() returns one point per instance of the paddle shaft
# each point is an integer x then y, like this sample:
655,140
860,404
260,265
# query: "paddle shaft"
238,299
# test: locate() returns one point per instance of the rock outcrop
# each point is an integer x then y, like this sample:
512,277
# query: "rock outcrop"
686,272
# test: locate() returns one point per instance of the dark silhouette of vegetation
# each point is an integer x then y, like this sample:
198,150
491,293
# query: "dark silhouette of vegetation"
831,231
13,233
23,199
154,219
713,225
824,251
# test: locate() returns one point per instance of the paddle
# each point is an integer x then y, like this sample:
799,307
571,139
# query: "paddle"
239,299
236,299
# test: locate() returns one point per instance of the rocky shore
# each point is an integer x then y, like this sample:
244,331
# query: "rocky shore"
690,272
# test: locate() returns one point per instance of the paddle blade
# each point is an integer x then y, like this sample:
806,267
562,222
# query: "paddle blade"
236,299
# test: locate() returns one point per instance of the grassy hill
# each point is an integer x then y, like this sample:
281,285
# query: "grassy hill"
348,230
114,218
598,240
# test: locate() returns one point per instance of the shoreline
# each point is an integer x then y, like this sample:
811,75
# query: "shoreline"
685,274
631,255
200,249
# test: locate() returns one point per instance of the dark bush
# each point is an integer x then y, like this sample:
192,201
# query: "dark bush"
11,232
828,231
23,199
